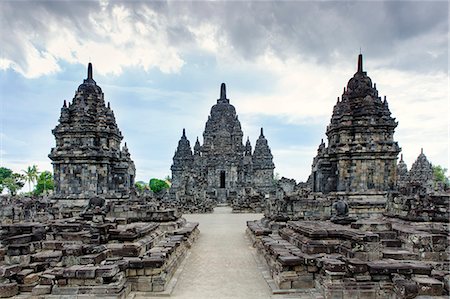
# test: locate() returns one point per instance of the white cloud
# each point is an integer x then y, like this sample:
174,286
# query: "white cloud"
114,40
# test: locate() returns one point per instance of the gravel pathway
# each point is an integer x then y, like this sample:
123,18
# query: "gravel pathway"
221,264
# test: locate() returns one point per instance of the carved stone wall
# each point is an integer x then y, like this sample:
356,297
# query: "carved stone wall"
361,154
219,169
87,159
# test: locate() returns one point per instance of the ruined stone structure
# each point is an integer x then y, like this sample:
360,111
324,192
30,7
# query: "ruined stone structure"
419,197
220,169
87,159
363,226
361,155
109,251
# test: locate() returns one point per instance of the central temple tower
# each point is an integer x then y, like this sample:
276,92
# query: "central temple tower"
220,168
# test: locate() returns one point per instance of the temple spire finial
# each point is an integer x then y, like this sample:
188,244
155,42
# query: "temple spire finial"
184,132
262,132
89,74
421,151
223,91
360,63
401,157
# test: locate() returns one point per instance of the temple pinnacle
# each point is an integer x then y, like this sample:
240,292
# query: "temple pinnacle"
89,74
184,132
360,63
223,92
262,133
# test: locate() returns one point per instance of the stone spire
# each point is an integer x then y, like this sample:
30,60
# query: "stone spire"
197,148
183,155
248,148
421,170
89,74
223,133
360,63
223,94
89,85
402,172
223,91
262,156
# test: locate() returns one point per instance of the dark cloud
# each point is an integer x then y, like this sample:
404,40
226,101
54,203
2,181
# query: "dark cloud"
398,33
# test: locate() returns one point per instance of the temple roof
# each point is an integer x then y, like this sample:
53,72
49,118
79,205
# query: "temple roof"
89,85
360,100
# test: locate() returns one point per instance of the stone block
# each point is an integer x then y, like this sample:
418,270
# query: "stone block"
429,286
8,289
107,270
73,249
23,260
290,260
65,290
86,272
9,270
31,279
153,262
47,279
47,256
94,258
41,290
22,274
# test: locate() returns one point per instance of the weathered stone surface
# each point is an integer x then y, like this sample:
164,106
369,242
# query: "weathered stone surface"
360,157
222,168
429,286
87,160
8,289
41,290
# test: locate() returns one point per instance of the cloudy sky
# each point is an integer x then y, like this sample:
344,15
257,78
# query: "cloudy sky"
160,64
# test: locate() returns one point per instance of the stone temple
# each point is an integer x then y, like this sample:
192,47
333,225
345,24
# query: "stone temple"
361,155
87,160
223,169
362,227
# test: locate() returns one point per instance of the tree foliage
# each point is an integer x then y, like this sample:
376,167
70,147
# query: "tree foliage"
13,183
440,175
157,185
44,183
4,173
31,175
140,186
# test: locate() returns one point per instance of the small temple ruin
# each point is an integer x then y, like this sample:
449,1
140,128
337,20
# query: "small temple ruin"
363,225
94,237
88,160
361,155
222,169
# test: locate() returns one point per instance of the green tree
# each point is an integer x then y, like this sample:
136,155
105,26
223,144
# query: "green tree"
439,175
156,185
14,183
31,175
140,186
44,183
4,173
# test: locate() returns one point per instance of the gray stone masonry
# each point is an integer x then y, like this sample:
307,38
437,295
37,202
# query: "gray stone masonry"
361,155
87,159
221,169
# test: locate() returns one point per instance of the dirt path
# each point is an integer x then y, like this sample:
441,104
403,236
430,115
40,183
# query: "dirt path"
220,264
